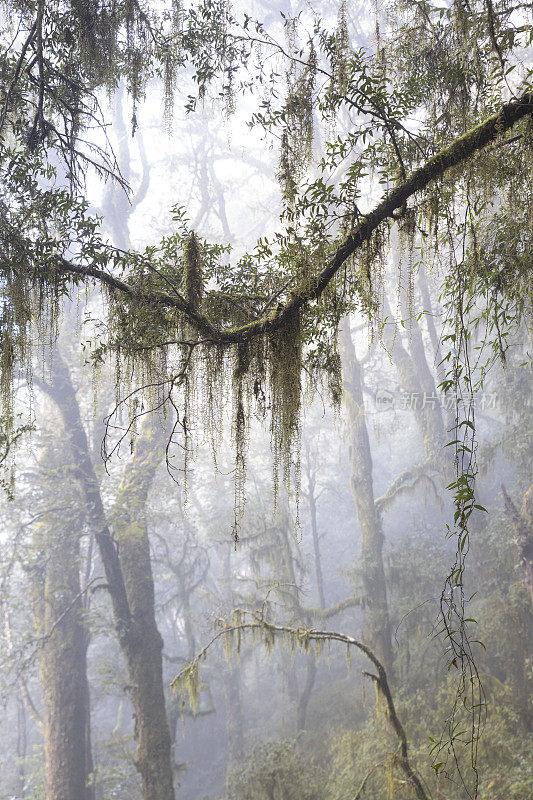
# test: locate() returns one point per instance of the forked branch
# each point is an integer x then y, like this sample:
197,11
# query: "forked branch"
459,151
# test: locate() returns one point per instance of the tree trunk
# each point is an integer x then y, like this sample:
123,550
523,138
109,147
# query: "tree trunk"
63,662
417,381
522,521
143,645
22,745
305,694
232,680
371,561
316,541
234,719
126,561
310,668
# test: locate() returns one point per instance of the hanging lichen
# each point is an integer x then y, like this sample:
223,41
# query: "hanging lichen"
240,431
192,285
297,134
341,53
285,362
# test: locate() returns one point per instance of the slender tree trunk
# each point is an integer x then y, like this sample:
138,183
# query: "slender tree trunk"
232,688
316,542
22,745
234,718
305,694
310,668
373,573
284,567
417,381
519,658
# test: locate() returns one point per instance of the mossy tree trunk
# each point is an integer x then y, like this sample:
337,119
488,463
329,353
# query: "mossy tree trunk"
126,560
60,620
374,602
143,645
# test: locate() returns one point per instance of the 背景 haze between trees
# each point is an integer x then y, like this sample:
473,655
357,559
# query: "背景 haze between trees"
452,167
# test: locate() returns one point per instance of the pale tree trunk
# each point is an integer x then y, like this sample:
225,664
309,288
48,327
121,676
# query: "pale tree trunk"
305,694
59,615
234,718
312,500
417,381
117,205
22,744
232,677
289,593
310,668
518,660
374,602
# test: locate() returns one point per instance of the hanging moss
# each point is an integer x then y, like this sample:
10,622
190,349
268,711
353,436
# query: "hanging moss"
285,363
296,143
342,51
192,285
240,429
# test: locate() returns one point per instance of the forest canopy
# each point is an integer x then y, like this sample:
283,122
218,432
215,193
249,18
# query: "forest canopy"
437,145
394,142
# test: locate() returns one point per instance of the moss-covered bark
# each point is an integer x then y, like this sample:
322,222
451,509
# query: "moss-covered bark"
456,153
143,644
126,559
59,614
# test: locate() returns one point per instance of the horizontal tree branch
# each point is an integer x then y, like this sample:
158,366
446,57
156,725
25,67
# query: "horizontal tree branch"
459,151
326,613
405,482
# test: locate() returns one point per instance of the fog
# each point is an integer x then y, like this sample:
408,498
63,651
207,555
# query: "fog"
324,630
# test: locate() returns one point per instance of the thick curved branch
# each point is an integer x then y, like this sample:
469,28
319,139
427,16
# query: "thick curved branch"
459,151
303,637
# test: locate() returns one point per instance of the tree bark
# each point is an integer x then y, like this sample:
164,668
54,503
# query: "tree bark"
310,669
126,561
63,660
232,681
143,646
417,380
453,155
